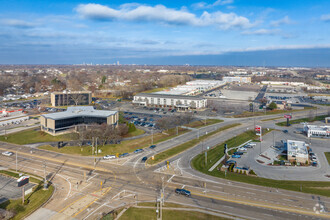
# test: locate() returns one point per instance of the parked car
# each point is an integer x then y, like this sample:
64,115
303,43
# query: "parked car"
144,159
314,164
228,162
242,149
7,153
107,157
138,151
238,153
124,155
236,156
183,192
152,146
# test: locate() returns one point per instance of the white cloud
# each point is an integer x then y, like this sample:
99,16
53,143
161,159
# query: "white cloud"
160,13
262,32
203,5
285,20
325,17
17,23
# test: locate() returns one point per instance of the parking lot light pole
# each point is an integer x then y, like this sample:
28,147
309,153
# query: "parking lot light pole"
16,157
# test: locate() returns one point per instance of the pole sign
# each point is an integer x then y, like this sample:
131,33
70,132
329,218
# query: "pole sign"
22,181
258,130
288,116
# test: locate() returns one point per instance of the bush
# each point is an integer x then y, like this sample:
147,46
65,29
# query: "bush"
131,127
252,172
18,208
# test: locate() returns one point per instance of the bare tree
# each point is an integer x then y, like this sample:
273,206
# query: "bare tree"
78,98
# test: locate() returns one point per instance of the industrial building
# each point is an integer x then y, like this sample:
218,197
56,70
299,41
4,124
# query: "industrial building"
297,151
181,102
59,122
237,79
71,98
317,131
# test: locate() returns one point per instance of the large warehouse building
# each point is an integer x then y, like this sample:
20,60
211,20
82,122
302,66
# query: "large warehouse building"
182,102
71,98
59,122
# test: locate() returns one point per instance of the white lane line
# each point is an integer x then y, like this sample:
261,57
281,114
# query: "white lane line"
91,177
67,196
169,180
104,204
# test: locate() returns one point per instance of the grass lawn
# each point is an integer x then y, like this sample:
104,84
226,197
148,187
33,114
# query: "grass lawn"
201,123
198,163
137,132
327,155
268,112
150,213
32,136
37,198
296,121
182,147
155,90
124,147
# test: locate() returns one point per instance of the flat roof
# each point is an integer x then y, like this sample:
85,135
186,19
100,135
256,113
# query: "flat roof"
87,111
325,128
169,96
297,148
71,92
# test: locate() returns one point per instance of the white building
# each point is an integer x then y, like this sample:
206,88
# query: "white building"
172,101
236,79
297,151
317,131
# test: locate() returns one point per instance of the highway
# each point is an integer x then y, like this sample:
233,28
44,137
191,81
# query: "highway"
127,181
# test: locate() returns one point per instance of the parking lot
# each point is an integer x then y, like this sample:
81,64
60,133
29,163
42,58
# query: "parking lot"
250,156
9,189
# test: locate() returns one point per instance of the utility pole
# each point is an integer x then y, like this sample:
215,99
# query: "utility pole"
177,130
16,160
96,146
152,135
45,178
274,138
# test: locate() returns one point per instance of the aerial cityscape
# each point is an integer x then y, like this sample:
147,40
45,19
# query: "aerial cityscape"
216,109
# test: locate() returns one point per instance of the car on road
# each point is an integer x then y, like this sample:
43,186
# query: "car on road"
285,131
144,159
152,146
124,155
314,164
138,151
183,192
236,156
7,153
107,157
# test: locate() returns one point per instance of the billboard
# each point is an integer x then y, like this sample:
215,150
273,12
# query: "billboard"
288,116
23,181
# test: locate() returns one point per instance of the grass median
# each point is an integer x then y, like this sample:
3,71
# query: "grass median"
35,199
297,121
198,163
150,213
203,123
124,147
269,112
182,147
327,155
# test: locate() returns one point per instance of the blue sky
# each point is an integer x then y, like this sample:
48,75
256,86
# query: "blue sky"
165,32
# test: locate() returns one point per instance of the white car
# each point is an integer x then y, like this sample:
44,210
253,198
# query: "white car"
107,157
7,153
242,149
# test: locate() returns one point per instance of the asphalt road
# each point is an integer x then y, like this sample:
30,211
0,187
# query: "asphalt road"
127,181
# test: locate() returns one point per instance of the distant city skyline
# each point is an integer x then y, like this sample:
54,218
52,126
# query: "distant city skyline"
216,32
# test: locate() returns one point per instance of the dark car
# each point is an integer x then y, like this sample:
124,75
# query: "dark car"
124,155
144,159
285,131
152,146
228,162
138,151
238,153
183,192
